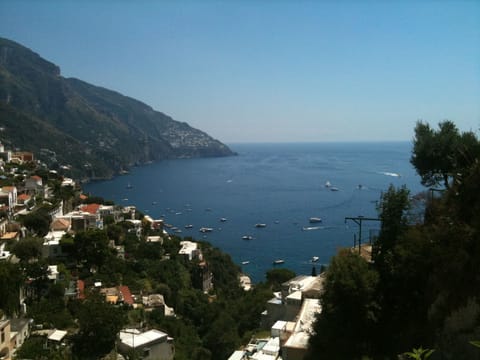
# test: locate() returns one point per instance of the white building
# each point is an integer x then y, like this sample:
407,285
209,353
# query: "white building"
149,345
189,249
51,247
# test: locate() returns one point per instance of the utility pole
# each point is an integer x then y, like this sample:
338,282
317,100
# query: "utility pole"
358,220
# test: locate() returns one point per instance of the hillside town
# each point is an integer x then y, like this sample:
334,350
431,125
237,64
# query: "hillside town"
59,245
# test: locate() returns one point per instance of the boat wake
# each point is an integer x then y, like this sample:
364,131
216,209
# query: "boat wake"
386,173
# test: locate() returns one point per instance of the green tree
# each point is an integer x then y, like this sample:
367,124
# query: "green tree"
99,324
222,338
92,246
440,156
393,208
28,249
37,221
345,327
11,278
276,277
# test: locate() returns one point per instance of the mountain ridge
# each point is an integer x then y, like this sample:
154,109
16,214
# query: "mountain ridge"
111,131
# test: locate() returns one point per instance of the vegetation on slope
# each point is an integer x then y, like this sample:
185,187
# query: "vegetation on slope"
98,131
422,287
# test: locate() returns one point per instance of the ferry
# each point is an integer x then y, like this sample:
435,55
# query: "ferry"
278,262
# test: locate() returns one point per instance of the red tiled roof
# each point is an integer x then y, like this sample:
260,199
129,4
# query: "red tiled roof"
36,177
127,295
91,208
60,224
23,197
81,289
83,197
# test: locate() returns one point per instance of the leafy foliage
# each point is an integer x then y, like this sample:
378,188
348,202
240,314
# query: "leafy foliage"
426,287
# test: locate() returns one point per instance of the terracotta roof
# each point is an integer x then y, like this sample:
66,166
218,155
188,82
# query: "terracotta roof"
36,177
61,224
81,289
127,295
8,188
23,197
91,208
83,197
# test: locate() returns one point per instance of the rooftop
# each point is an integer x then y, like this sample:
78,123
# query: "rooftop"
134,338
57,335
304,326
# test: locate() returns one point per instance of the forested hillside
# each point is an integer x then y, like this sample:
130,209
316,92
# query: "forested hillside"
98,131
422,288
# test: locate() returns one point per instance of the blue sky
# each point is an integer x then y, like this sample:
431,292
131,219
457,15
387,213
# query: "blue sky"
276,71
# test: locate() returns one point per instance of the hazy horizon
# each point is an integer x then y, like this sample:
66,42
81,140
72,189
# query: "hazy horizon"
270,72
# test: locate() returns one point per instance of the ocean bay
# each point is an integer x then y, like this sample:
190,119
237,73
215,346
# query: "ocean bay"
279,185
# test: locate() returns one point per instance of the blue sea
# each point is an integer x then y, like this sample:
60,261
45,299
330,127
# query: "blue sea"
279,185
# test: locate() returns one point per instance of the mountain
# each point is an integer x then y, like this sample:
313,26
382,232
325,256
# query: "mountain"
96,131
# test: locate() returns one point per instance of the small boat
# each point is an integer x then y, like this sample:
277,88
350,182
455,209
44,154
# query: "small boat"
315,258
129,186
205,230
178,231
189,226
328,184
245,262
309,228
315,220
223,219
260,225
247,237
278,262
333,188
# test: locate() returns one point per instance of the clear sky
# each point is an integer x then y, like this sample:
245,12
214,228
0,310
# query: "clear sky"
276,71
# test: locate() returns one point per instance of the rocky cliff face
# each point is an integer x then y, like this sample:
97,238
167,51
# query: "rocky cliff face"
97,131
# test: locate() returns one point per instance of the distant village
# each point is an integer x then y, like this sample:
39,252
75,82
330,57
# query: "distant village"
28,186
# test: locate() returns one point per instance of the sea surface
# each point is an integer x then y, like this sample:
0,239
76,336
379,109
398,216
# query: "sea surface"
279,185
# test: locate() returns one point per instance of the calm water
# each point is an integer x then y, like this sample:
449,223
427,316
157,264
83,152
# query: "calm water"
280,185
